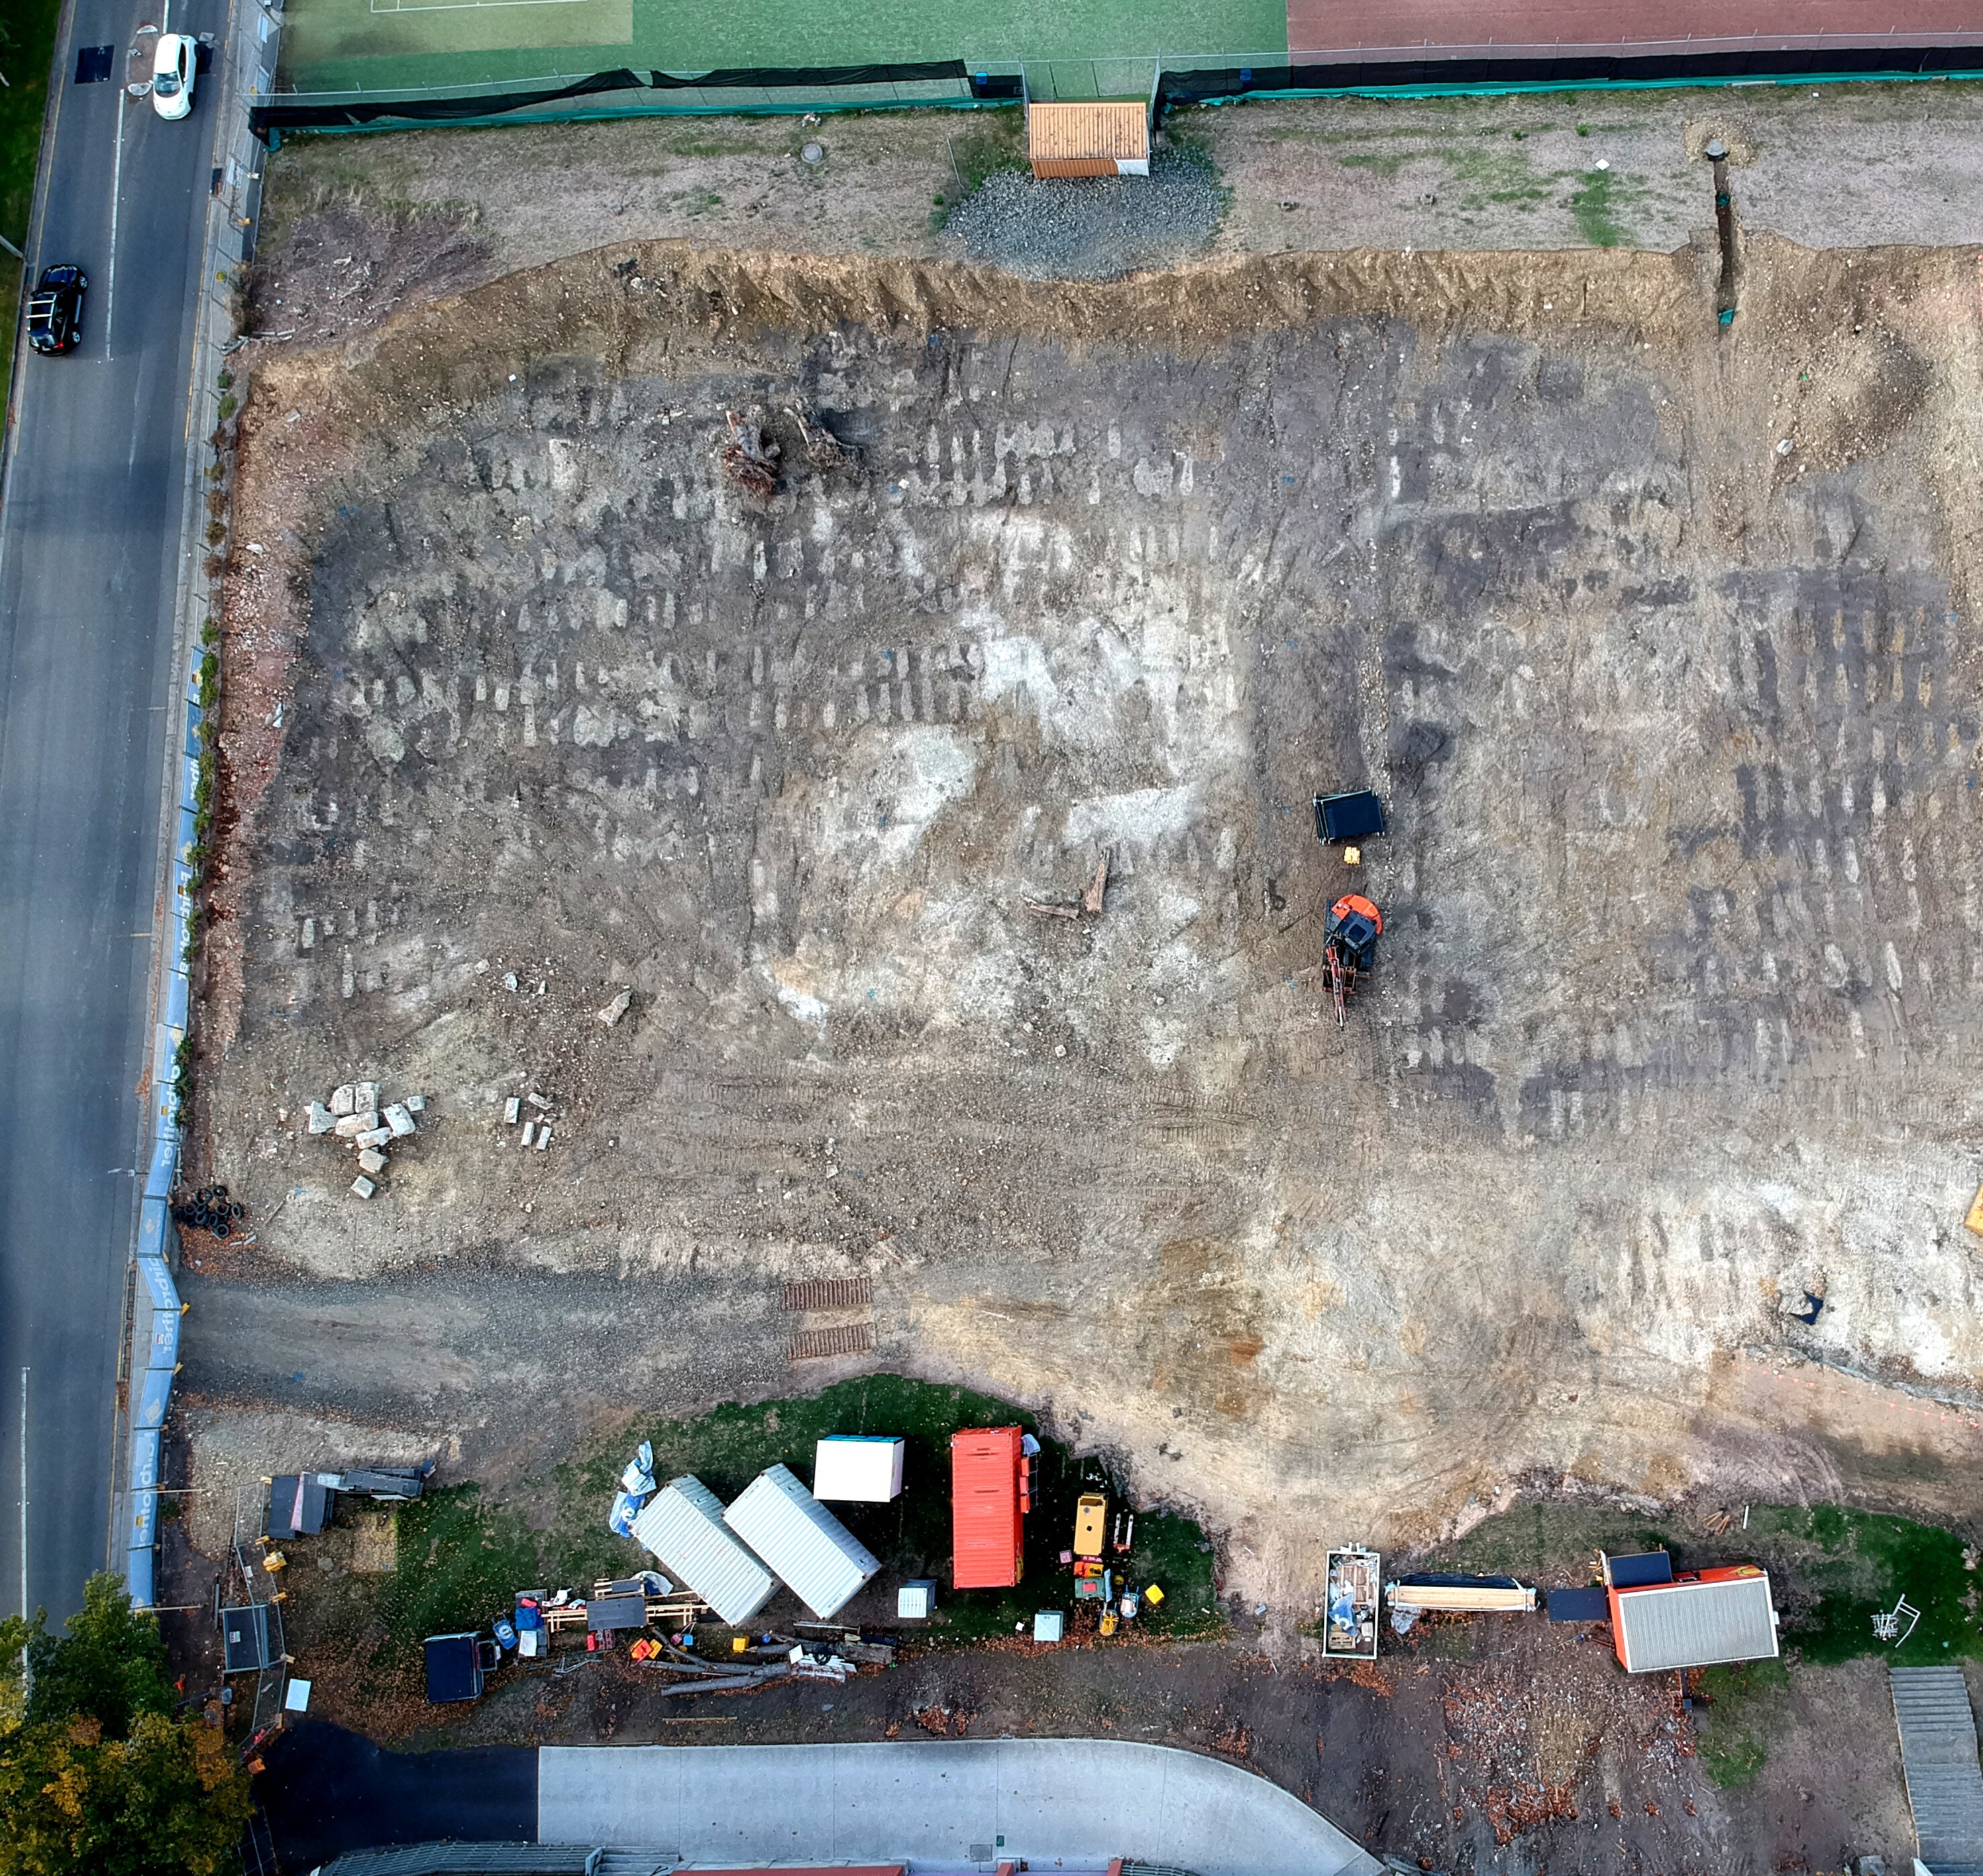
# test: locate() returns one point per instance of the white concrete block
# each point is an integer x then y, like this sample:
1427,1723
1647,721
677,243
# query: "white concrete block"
350,1127
399,1120
529,1131
371,1160
538,1101
416,1104
543,1136
511,1109
611,1014
375,1136
321,1119
364,1094
363,1186
345,1100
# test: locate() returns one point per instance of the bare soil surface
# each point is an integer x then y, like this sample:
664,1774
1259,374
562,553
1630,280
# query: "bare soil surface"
1651,635
356,228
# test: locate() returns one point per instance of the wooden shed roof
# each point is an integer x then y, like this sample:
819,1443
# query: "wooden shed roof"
1072,132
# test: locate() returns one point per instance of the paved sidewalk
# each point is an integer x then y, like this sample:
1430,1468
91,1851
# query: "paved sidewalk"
1039,1799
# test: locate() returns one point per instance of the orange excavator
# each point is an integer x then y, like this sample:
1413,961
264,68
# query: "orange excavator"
1349,942
1350,945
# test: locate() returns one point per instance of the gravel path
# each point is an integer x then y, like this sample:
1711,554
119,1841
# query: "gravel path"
1090,230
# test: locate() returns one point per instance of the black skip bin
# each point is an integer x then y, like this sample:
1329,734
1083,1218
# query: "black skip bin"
92,63
202,61
1356,816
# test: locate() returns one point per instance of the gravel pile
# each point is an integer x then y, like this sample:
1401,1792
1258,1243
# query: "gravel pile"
1090,230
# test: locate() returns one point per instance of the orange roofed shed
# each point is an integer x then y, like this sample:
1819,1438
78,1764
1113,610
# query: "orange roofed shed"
988,1504
1089,139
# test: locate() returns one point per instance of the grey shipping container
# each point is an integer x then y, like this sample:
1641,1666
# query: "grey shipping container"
1695,1624
682,1526
803,1541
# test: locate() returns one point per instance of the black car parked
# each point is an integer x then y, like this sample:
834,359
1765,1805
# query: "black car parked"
54,310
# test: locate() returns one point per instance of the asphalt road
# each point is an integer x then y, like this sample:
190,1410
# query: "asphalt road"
327,1792
89,546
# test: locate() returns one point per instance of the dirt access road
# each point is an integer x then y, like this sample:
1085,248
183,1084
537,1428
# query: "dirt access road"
1651,635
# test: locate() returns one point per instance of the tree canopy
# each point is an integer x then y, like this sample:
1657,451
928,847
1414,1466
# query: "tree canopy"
99,1776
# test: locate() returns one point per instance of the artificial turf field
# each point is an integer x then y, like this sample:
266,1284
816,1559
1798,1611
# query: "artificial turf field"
336,45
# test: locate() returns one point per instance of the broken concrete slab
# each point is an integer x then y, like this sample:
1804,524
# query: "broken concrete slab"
375,1136
371,1160
321,1119
611,1014
349,1127
399,1120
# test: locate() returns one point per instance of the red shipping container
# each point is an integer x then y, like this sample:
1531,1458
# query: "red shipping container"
986,1478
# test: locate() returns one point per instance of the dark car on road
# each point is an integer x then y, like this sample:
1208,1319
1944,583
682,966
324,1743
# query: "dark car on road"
54,310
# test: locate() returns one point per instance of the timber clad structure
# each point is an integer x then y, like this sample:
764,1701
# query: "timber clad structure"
1089,139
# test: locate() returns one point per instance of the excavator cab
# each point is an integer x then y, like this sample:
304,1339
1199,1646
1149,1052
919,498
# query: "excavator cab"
1350,944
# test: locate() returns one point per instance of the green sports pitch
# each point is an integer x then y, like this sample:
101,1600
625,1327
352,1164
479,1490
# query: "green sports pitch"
352,45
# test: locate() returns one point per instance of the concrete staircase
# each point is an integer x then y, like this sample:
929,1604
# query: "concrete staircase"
1938,1755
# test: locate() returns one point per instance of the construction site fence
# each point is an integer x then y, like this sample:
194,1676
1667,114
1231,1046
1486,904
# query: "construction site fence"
1377,71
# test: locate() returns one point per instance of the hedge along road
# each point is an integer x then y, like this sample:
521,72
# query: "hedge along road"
90,561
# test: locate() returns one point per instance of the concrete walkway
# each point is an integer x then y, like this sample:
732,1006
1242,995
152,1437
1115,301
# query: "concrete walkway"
952,1803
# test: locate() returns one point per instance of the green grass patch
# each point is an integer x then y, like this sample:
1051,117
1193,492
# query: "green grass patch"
1836,1570
27,45
1735,1710
1593,204
462,1560
727,1448
992,141
1546,1537
1387,164
1831,1569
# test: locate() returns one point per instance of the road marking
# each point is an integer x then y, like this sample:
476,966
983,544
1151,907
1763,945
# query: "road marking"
23,1491
116,187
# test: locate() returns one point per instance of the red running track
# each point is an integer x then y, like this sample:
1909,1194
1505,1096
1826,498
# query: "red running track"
1336,26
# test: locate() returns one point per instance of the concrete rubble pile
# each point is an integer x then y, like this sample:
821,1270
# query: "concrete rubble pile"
534,1111
354,1117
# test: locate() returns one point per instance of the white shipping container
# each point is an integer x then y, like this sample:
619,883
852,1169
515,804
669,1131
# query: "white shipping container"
682,1526
858,1468
805,1542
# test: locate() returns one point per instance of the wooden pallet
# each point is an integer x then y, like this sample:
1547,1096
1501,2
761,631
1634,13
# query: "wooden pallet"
826,1293
847,1338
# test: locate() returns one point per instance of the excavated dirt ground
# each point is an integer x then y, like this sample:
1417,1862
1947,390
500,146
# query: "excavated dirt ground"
1654,638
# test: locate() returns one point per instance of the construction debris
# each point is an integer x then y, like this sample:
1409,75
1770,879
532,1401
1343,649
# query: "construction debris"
1091,898
536,1129
620,1005
353,1117
824,450
210,1209
749,459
